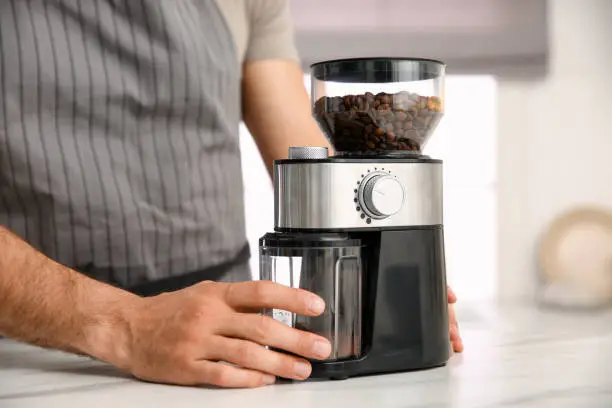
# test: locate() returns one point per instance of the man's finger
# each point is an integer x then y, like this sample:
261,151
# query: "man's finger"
253,296
452,298
452,317
254,356
227,376
458,346
270,332
454,333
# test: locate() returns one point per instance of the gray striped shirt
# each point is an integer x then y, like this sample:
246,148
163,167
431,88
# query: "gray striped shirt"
119,141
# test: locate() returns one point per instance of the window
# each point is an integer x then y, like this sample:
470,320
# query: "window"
466,141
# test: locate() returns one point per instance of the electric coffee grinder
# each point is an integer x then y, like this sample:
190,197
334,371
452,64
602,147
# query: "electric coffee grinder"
363,229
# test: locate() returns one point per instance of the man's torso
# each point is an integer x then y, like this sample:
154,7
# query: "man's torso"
119,142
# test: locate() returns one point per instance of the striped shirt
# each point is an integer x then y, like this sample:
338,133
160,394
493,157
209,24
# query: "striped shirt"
119,149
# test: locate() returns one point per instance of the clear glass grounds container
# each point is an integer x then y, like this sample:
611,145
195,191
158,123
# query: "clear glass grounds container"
378,106
328,265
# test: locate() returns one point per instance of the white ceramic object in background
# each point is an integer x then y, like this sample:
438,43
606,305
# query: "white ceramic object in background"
576,259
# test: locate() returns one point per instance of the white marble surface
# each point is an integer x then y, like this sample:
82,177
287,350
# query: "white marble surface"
515,357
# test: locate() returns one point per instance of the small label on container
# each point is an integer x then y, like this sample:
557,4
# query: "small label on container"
283,316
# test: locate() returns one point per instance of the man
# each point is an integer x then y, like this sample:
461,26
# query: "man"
120,184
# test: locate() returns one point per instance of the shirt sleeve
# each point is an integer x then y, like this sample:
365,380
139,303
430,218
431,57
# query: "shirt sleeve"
271,33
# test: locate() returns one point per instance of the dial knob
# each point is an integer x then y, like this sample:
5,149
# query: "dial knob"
382,196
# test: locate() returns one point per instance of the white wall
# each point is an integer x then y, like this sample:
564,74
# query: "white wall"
471,36
555,138
466,140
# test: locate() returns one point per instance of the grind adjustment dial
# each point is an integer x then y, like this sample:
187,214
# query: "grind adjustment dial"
308,153
381,195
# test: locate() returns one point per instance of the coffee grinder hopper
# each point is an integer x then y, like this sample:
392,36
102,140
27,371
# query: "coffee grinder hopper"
393,107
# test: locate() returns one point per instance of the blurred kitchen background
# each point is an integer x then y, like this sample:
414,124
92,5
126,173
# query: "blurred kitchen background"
527,132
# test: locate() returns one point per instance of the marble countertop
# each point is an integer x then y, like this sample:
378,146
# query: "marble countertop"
515,357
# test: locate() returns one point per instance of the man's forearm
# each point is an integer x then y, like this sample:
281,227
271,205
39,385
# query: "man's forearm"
49,305
277,109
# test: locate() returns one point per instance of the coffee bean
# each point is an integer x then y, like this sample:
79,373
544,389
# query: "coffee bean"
411,103
361,103
370,124
411,134
372,116
418,122
366,119
403,94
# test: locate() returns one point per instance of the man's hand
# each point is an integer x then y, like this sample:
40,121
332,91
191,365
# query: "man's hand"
455,337
180,337
176,337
